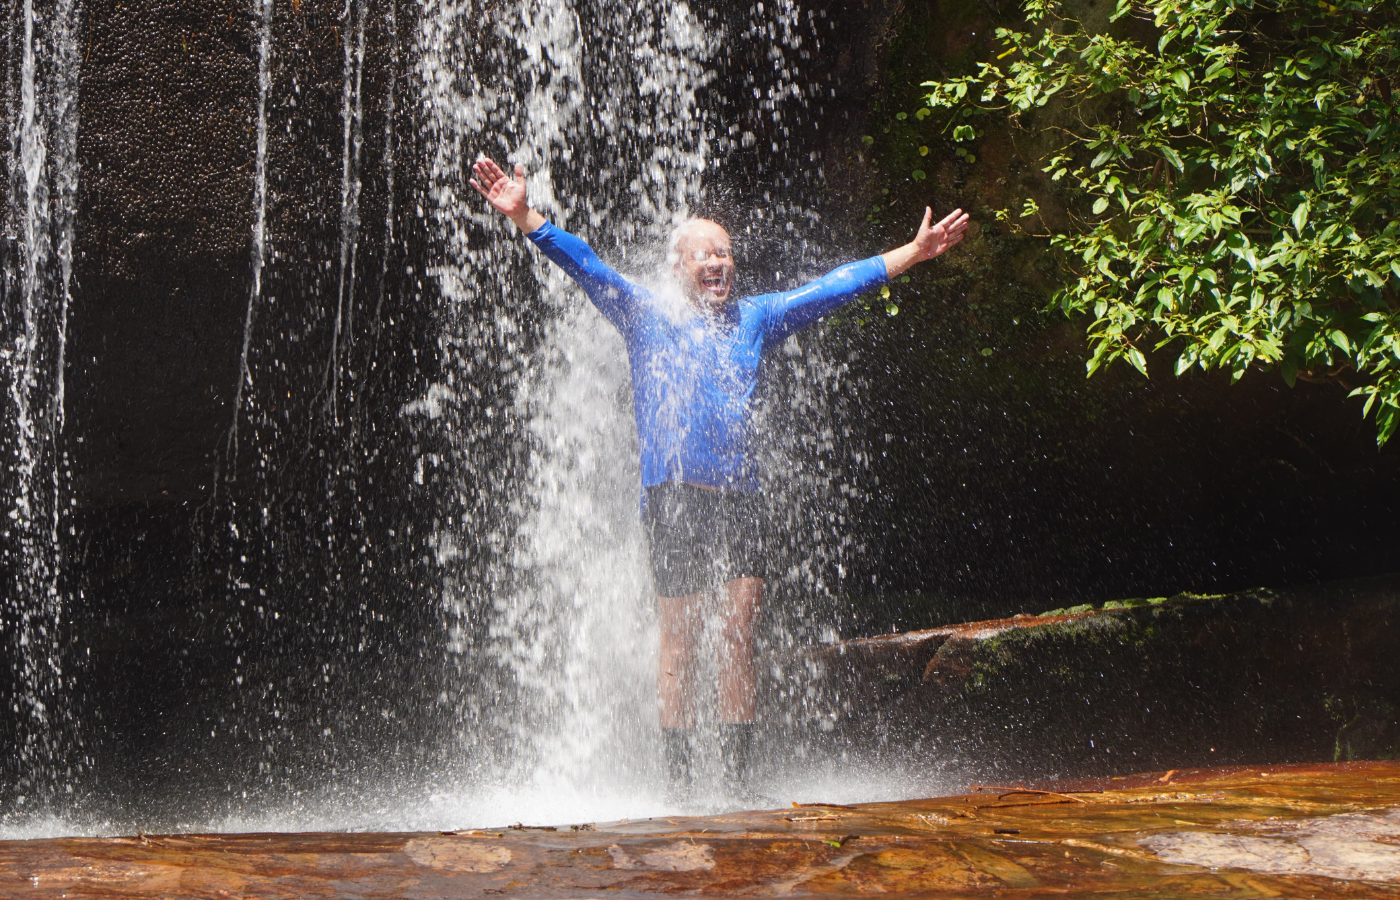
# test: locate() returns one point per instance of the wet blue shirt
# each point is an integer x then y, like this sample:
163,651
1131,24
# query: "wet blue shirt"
693,376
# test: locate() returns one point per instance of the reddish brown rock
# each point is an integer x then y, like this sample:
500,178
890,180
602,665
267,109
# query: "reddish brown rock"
1301,831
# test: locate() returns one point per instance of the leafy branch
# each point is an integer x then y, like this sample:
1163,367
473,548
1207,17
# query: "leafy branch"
1234,168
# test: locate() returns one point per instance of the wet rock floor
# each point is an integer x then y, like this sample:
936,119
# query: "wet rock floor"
1289,831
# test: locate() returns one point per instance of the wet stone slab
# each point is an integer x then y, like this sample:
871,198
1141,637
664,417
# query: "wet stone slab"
1297,831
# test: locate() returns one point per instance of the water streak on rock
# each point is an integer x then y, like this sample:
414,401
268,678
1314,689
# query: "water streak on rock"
352,114
263,12
42,116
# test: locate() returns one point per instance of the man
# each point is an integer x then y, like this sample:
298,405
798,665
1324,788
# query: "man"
694,363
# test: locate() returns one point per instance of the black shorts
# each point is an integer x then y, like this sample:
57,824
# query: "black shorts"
700,538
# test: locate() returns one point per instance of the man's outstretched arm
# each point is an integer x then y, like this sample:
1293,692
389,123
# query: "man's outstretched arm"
794,310
615,296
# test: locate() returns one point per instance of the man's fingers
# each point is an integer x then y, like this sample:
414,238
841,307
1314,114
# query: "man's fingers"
928,217
948,220
519,172
483,169
480,190
492,171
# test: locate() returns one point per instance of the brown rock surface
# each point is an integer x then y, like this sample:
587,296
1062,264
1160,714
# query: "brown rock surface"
1325,830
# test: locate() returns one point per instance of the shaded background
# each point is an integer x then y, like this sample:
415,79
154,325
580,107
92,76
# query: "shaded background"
987,475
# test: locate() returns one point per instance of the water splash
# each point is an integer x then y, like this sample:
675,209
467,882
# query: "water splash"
545,575
38,256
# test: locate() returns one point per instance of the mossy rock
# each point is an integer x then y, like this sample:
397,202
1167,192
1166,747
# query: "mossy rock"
1264,676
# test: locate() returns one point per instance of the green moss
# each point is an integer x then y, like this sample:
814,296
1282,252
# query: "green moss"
1261,594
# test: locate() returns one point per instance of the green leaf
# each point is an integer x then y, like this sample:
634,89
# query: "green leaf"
986,351
1300,215
1137,359
918,175
964,133
1100,205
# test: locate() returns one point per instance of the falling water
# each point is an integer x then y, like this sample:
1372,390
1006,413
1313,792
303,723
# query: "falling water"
608,108
300,534
259,235
38,256
352,116
599,104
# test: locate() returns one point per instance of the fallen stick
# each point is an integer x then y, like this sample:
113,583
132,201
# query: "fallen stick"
1015,790
796,805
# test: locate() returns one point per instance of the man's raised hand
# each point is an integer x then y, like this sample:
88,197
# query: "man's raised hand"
506,193
933,240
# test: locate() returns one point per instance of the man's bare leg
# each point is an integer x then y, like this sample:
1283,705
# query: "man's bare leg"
675,687
675,682
738,691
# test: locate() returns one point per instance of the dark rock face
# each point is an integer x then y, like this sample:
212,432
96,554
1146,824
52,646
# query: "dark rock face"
166,149
1255,677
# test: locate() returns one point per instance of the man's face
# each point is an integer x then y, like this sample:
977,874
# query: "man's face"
706,265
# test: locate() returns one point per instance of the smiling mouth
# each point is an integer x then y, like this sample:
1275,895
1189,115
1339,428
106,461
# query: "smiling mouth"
714,284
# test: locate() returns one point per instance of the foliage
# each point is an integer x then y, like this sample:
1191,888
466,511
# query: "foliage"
1233,171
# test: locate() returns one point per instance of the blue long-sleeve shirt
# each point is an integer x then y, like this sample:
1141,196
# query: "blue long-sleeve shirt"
693,376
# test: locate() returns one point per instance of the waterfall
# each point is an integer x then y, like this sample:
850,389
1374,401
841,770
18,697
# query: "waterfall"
546,579
518,455
42,119
614,112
